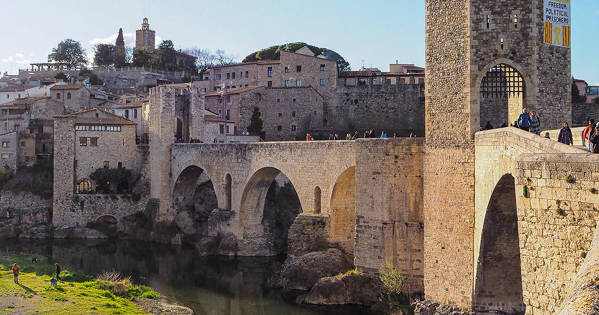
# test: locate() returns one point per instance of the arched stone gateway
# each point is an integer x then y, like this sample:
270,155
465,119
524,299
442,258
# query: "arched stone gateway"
343,211
502,96
269,205
498,286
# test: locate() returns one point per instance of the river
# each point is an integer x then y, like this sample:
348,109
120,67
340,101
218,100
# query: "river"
208,285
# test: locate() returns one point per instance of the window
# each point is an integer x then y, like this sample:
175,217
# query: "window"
233,75
292,114
57,96
127,113
83,141
293,128
69,96
278,100
298,68
280,114
228,75
287,83
228,116
120,165
22,143
247,74
93,141
228,130
5,144
323,82
85,185
269,72
217,77
269,83
323,67
279,128
515,20
298,83
106,164
287,70
18,95
488,21
5,156
294,100
135,113
317,200
222,129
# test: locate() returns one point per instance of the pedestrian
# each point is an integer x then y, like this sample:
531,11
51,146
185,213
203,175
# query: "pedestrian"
547,135
383,135
15,272
331,137
523,121
594,140
58,269
587,133
565,135
535,123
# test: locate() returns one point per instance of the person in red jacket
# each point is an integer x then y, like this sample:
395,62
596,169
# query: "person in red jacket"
15,272
588,132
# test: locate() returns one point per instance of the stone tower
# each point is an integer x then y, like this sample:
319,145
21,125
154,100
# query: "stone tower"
485,61
145,37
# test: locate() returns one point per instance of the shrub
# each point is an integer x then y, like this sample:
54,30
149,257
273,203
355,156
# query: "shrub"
570,179
525,191
393,284
111,180
350,272
150,295
6,174
71,276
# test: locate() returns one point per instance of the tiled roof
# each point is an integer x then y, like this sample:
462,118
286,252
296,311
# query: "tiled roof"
67,87
231,91
111,119
23,101
13,89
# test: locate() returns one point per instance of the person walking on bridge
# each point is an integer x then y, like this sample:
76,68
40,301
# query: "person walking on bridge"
535,123
524,120
587,133
565,135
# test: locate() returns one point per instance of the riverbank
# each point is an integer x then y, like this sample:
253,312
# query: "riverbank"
76,293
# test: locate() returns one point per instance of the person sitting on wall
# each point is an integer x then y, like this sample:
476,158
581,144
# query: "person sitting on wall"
535,123
547,135
565,135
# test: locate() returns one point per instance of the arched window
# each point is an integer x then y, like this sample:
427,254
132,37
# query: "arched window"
317,200
57,96
502,96
84,186
228,184
68,95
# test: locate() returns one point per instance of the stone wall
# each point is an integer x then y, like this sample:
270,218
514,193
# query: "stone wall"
24,215
583,111
395,109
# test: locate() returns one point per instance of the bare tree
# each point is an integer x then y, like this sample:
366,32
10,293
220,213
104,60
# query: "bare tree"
207,59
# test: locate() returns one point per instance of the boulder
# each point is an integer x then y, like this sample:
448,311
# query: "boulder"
356,289
301,273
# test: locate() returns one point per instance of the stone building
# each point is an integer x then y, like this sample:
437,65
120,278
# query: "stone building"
9,150
145,38
77,97
217,129
99,140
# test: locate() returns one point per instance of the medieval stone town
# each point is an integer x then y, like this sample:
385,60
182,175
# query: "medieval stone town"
162,180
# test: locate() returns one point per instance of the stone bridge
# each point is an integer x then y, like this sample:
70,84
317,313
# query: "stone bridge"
367,191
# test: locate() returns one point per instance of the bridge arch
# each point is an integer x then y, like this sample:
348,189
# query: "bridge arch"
343,210
498,283
194,197
260,224
502,89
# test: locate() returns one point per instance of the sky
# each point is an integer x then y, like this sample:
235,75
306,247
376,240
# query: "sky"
372,33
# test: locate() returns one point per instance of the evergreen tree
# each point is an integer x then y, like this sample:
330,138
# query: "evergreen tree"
120,56
104,55
255,127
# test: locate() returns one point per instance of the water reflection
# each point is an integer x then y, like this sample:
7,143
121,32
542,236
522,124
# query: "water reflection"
208,285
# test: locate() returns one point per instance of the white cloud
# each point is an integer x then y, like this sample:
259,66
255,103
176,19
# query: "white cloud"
17,58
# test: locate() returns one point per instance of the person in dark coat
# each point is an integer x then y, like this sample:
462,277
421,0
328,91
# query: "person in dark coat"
565,135
523,121
594,140
58,270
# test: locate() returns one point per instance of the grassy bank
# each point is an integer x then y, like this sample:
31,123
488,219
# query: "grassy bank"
75,294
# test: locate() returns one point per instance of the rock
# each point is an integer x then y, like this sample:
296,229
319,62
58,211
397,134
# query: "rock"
327,291
162,307
228,244
353,289
301,273
185,222
427,307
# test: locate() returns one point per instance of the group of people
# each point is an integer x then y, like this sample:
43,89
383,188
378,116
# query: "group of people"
353,136
529,121
590,136
53,281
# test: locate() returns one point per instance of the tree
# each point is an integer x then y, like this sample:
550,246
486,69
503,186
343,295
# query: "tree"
167,56
93,78
120,54
206,59
61,76
109,180
144,57
104,55
255,127
69,51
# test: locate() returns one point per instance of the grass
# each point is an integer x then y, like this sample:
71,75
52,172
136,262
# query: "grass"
76,293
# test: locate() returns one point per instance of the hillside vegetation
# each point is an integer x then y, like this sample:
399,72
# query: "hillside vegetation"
274,53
